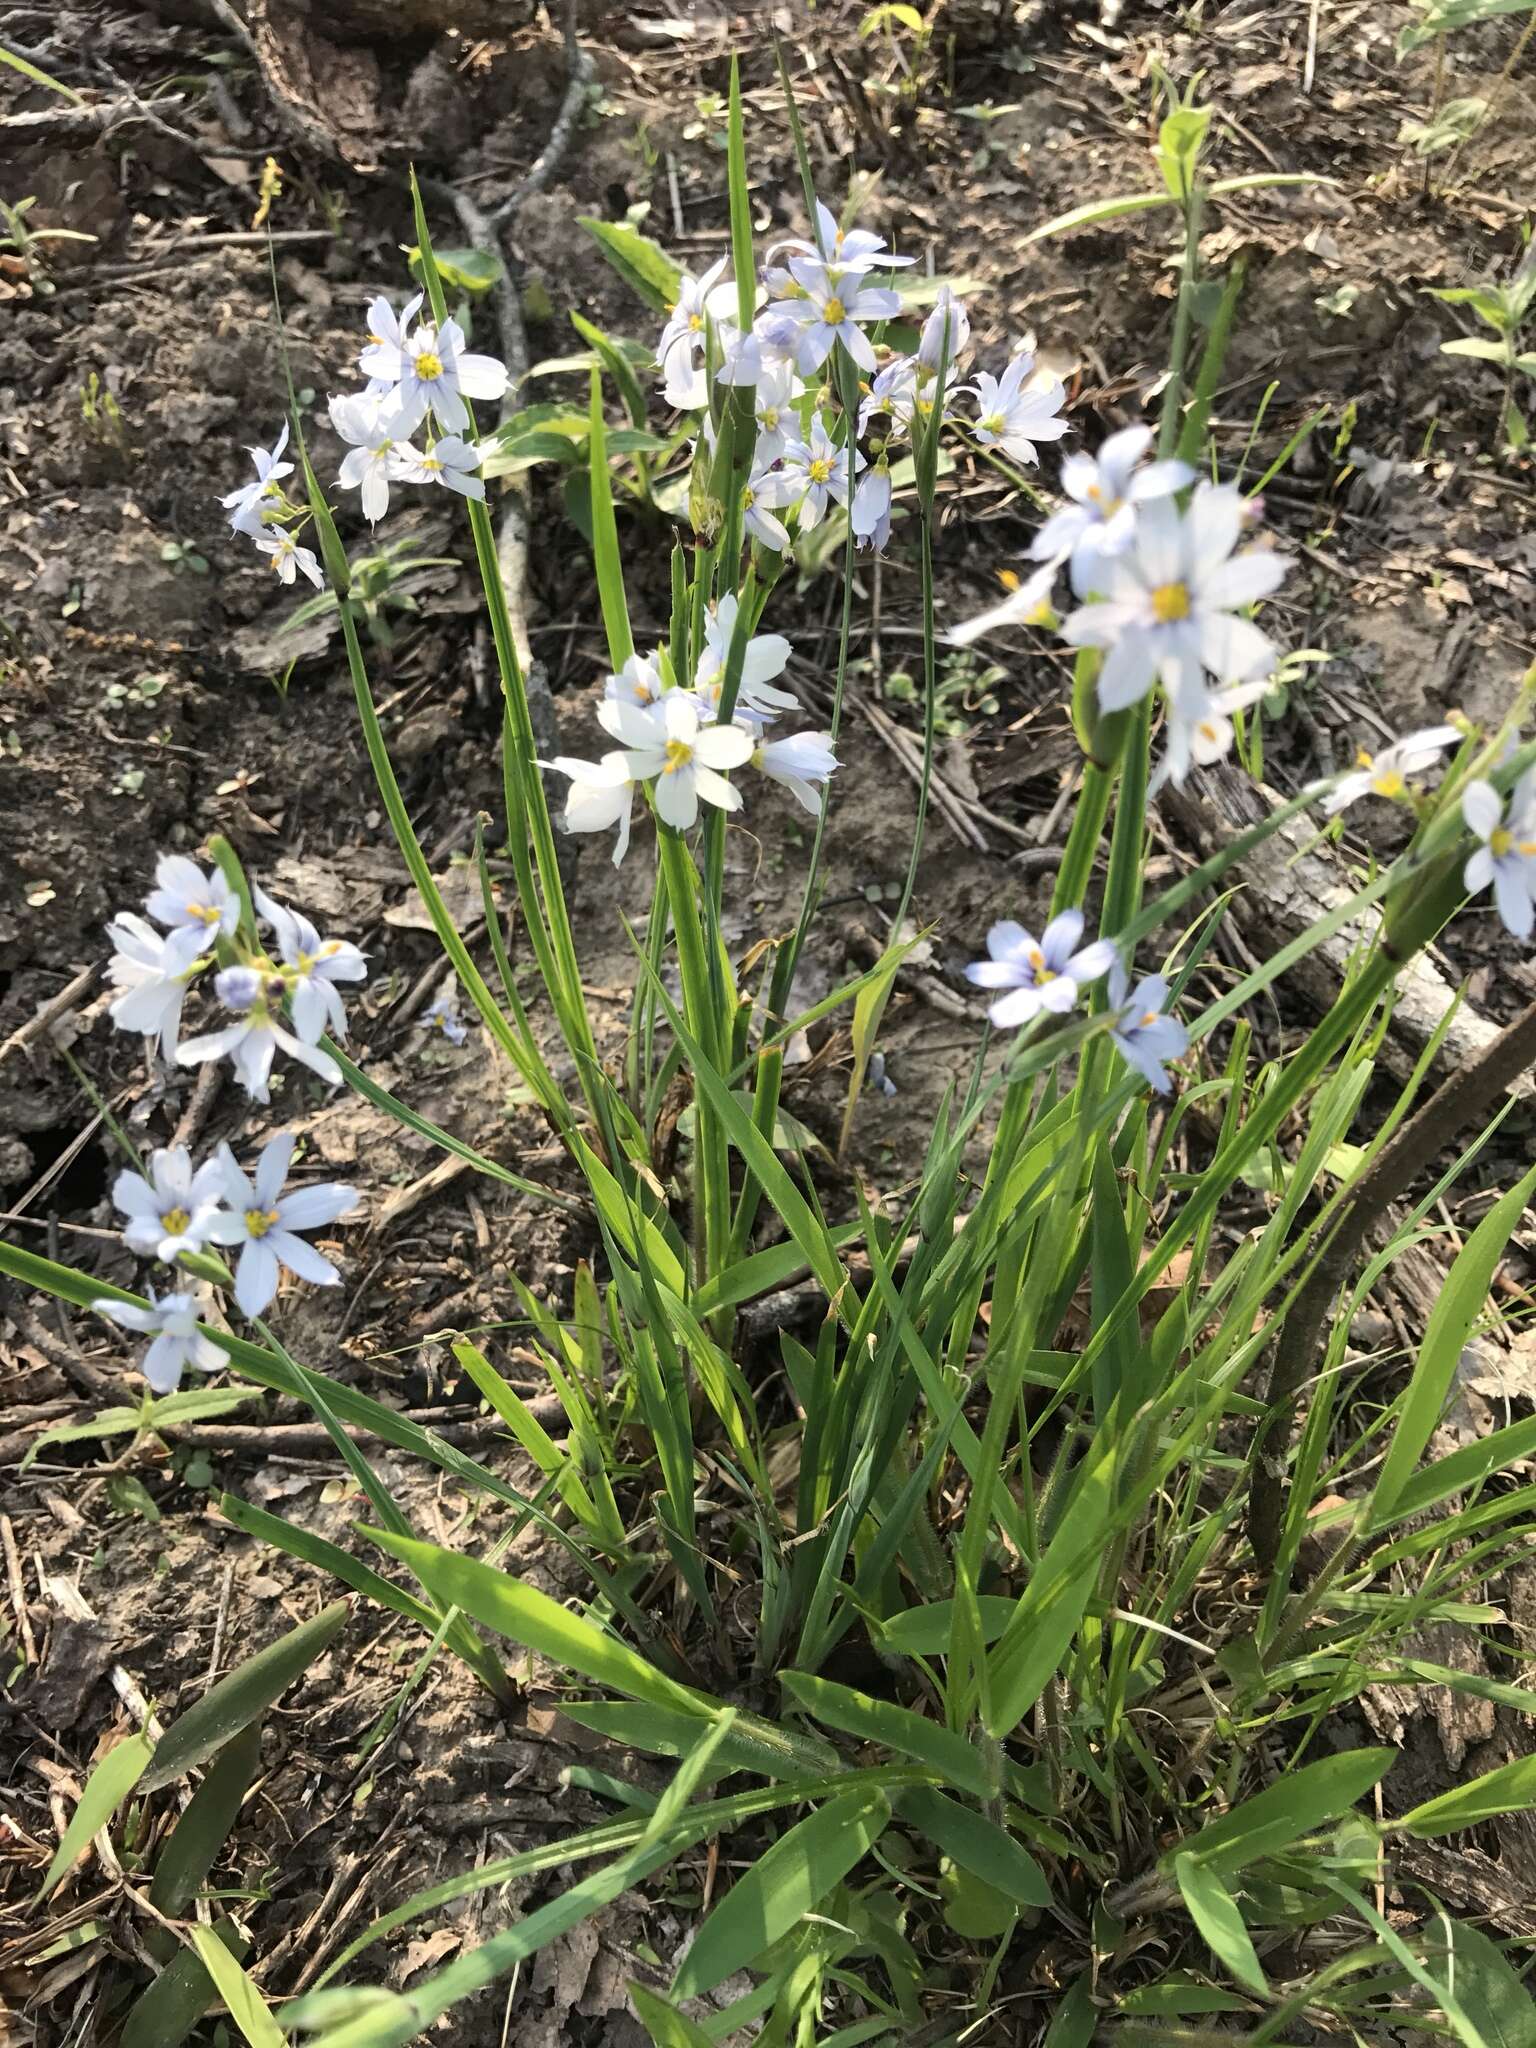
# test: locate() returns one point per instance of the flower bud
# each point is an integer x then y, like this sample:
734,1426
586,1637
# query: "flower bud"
237,988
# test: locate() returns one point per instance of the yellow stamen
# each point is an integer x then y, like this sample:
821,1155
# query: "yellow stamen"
206,912
994,423
695,323
1389,783
1149,1017
1365,760
259,1221
1170,602
832,313
174,1222
1500,841
820,470
679,754
428,366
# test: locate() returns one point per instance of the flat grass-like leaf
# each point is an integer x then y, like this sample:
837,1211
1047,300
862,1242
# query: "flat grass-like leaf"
200,1833
661,1731
1457,1307
1487,1989
247,2008
105,1790
979,1845
524,1615
1096,212
926,1631
1458,1472
643,264
1052,1605
959,1762
312,1549
785,1884
667,2027
240,1698
1214,1911
1296,1804
1510,1789
179,1996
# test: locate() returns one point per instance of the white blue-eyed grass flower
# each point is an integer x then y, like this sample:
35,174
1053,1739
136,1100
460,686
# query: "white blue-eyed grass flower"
253,1040
834,309
893,392
172,1210
172,1321
639,681
430,370
683,341
1506,860
387,330
314,966
601,796
682,758
1104,490
265,1223
1171,609
185,898
764,657
1386,774
870,515
814,474
449,460
1029,604
1144,1032
150,972
288,557
1019,409
373,451
777,389
946,334
844,250
802,764
441,1017
741,357
761,494
1199,730
1044,975
247,505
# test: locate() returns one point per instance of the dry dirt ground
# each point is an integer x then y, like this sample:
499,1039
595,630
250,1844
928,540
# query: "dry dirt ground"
140,657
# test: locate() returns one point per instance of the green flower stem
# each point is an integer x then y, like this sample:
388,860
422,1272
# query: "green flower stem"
712,1187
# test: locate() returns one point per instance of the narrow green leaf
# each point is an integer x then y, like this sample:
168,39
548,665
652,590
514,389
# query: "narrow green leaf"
926,1631
667,2027
643,264
39,77
605,536
978,1844
1097,211
1214,1911
777,1891
1458,1306
1052,1605
242,1697
199,1834
1487,1989
1509,1789
105,1790
1459,1472
958,1761
247,2008
525,1615
312,1549
1296,1804
179,1996
664,1732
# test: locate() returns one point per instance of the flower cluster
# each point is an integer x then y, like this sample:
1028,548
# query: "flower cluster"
178,1208
294,978
816,297
419,375
1047,976
674,743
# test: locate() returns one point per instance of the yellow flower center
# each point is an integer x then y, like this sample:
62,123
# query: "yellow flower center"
259,1221
679,754
1170,602
1207,731
1389,783
304,964
1500,841
1149,1017
695,323
769,416
748,498
428,366
1037,965
207,913
832,313
994,423
174,1222
820,470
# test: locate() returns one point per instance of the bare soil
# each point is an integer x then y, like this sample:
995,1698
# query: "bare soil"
1417,573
